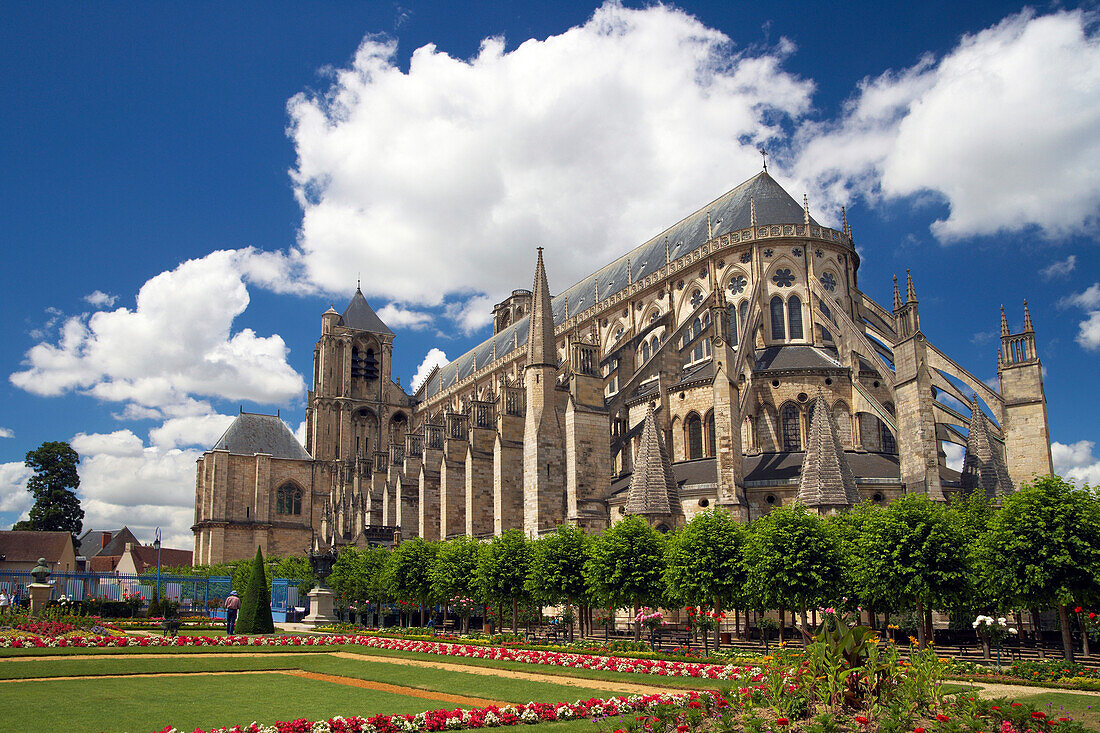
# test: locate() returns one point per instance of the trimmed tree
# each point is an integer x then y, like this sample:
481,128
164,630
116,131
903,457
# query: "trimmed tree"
408,572
1042,549
255,614
793,560
454,574
557,567
625,568
913,553
502,571
55,479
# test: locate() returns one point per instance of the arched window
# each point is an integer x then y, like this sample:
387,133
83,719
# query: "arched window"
778,325
694,427
794,316
743,312
288,500
792,429
645,351
710,435
655,344
888,443
843,423
732,315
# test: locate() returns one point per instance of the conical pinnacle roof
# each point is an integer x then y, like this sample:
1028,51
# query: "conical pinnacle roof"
541,350
826,479
983,466
653,487
360,316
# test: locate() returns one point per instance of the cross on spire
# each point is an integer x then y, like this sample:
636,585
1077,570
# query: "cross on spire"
764,154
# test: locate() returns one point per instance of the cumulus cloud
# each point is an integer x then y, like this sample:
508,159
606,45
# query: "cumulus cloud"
100,299
1076,461
1002,128
177,342
395,316
587,142
6,433
1088,330
955,454
120,443
1059,268
14,496
194,430
435,357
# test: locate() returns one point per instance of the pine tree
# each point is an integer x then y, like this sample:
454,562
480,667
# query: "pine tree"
255,614
56,507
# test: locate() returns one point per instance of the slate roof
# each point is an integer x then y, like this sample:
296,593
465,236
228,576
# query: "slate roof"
729,212
29,546
652,484
145,557
254,433
796,357
91,544
826,479
983,466
360,316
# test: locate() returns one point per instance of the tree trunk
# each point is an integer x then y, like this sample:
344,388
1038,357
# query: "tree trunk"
1067,635
610,620
637,626
929,629
515,615
737,622
802,617
1084,635
922,640
782,624
718,626
1037,627
422,613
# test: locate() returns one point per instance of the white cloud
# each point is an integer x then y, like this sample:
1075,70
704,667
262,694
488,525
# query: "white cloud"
1059,268
1003,128
955,454
6,433
1076,461
1088,330
300,433
100,299
395,316
14,496
587,142
177,342
435,357
194,430
120,443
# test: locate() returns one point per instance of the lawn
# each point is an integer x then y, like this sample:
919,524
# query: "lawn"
1082,708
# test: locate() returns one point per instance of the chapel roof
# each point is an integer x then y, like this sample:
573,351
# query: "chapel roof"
729,212
652,483
253,433
361,317
826,478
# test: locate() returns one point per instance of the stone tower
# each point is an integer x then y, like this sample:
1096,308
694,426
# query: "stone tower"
543,439
983,465
587,452
727,414
1027,436
826,482
653,494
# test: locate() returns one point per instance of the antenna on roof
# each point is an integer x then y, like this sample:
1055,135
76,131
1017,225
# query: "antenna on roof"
764,153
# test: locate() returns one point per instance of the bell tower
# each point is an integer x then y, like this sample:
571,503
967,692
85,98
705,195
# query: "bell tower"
1027,435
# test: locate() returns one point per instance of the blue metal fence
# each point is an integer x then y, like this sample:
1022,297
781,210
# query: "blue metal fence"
194,594
286,604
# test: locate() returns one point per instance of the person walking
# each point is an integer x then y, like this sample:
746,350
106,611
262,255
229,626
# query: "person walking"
5,602
232,605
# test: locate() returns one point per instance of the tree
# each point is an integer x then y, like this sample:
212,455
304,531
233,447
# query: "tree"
56,506
626,566
408,572
1043,549
255,614
557,567
348,575
454,573
913,553
793,559
502,570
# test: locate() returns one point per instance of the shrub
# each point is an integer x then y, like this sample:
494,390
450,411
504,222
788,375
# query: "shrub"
255,614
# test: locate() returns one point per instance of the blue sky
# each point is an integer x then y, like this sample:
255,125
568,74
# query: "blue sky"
239,166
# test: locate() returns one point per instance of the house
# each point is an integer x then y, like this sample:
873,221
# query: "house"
104,543
19,551
137,559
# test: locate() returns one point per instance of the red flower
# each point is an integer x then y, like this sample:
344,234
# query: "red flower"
1015,704
942,718
1064,720
994,707
1038,715
681,728
918,730
1077,610
782,721
862,719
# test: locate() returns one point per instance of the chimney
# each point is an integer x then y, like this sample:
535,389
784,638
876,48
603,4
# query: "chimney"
104,539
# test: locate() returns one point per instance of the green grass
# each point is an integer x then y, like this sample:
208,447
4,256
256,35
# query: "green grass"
137,664
1085,709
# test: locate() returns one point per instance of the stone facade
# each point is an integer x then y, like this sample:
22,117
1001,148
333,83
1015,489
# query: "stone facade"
728,328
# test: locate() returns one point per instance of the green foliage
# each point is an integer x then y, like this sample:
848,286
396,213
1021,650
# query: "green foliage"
454,570
1043,546
408,570
626,565
349,576
704,561
914,551
557,566
502,567
292,567
55,479
793,560
255,614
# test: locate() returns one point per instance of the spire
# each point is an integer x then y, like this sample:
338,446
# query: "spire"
1027,319
806,209
983,466
752,211
910,291
1004,322
826,480
897,294
541,350
653,487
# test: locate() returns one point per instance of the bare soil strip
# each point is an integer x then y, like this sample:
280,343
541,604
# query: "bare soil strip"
470,702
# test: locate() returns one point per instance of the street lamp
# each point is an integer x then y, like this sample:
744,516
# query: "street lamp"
156,544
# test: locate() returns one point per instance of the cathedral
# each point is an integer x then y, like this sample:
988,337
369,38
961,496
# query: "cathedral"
730,361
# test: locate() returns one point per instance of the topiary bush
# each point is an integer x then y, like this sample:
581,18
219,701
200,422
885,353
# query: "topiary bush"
255,614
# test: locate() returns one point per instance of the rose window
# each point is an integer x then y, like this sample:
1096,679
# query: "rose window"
783,278
737,284
829,282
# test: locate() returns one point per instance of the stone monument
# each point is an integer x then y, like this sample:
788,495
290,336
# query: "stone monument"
322,606
40,589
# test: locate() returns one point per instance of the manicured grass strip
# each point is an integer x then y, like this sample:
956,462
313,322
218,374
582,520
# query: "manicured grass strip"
98,665
142,705
459,683
1085,709
122,651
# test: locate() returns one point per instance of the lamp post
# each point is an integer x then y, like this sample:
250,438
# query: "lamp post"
156,544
